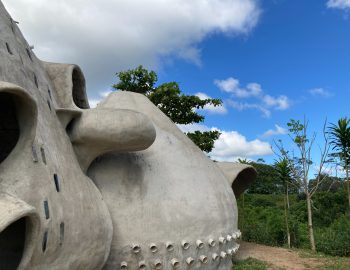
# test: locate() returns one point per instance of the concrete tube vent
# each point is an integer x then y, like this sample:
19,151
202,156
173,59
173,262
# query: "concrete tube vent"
169,246
190,261
222,240
234,236
142,265
136,248
124,265
157,264
203,259
78,91
211,242
223,255
153,247
185,245
9,126
215,256
175,263
199,244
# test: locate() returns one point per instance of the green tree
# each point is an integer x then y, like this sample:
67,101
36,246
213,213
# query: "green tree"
180,108
267,180
301,163
284,173
340,142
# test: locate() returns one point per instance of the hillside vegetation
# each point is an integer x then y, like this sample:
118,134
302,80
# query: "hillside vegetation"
262,214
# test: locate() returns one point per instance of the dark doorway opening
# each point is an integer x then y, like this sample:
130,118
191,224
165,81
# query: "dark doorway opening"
9,127
12,241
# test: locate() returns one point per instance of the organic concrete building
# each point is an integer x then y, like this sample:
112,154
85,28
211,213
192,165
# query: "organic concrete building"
115,187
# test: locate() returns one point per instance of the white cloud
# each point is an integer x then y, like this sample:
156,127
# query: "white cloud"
241,106
264,102
231,144
231,85
320,92
94,102
274,132
279,103
340,4
193,127
107,36
211,108
101,95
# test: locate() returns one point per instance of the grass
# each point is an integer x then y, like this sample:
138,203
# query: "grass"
330,262
250,264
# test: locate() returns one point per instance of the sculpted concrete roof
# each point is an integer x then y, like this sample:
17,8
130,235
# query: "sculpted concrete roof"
115,187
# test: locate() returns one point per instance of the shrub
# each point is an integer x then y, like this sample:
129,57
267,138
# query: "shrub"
335,240
251,264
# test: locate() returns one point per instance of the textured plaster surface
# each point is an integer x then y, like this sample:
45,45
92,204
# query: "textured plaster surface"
115,187
171,192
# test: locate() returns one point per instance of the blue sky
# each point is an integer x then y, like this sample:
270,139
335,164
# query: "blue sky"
299,49
269,61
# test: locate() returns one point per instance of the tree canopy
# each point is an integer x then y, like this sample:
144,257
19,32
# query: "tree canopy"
168,97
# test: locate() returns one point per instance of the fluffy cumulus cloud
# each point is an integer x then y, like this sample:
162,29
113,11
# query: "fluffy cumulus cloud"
275,132
262,101
101,95
241,106
231,85
280,103
107,36
320,92
211,108
232,145
340,4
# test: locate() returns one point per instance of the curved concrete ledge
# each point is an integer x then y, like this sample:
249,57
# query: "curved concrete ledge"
69,83
11,211
240,176
67,115
99,131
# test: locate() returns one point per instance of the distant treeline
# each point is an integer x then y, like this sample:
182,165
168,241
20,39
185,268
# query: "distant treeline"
268,181
262,213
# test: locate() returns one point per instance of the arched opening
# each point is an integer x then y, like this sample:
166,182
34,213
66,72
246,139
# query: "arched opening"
79,93
12,243
9,125
243,180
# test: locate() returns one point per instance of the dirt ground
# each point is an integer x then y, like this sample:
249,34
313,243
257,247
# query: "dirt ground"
279,258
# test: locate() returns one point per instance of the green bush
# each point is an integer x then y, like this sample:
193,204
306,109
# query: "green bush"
262,221
335,240
329,207
264,225
250,264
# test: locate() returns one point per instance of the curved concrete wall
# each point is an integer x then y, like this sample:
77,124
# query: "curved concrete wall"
73,230
169,193
115,187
